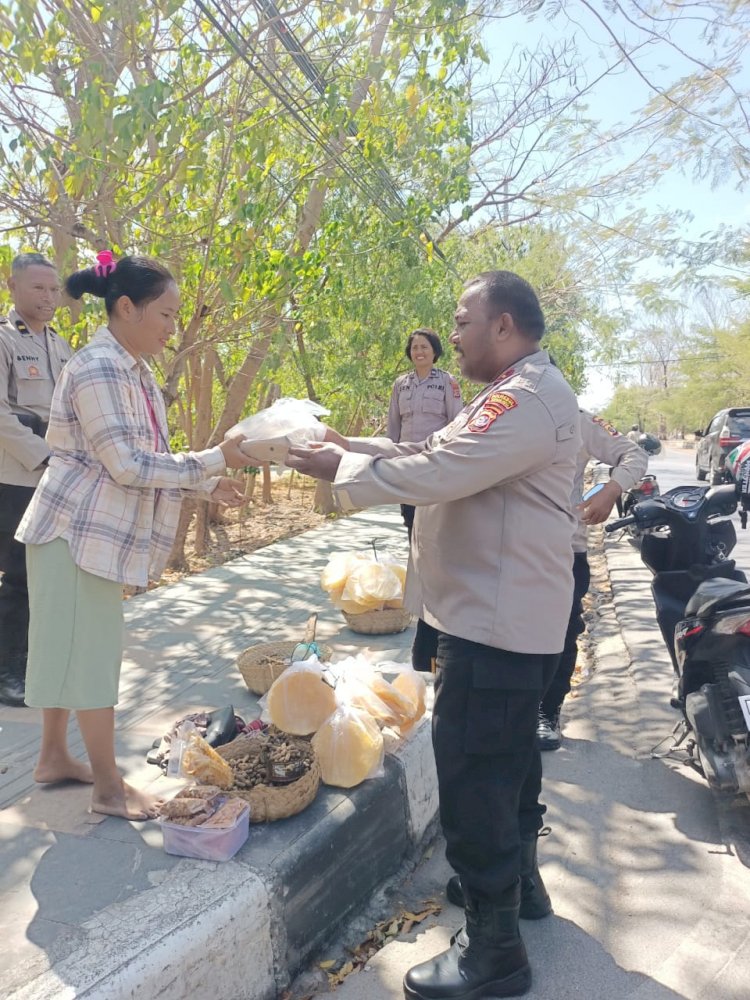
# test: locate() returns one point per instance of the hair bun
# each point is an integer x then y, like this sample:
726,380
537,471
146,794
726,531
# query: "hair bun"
86,282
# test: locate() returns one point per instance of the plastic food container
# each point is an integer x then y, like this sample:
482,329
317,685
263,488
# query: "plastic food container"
208,844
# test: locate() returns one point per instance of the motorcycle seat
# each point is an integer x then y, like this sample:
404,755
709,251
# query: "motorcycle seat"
713,594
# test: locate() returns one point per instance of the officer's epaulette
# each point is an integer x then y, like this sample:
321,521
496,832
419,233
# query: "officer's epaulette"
52,329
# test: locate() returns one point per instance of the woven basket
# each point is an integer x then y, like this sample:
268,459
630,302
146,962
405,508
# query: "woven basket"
379,622
272,802
259,674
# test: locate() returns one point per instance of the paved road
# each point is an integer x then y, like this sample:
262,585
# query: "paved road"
648,871
676,467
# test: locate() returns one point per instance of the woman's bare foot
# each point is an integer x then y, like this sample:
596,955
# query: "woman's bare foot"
128,802
63,768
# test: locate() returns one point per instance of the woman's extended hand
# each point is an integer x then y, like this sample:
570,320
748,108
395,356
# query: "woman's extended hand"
227,492
234,456
333,437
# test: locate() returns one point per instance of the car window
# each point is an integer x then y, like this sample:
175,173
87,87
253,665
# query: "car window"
716,424
739,425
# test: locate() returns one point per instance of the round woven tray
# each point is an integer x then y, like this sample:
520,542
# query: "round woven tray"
379,622
272,802
260,665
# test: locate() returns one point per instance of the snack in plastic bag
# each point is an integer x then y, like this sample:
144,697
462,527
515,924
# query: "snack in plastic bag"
413,686
268,434
334,576
349,747
371,584
357,582
354,676
300,700
194,758
402,707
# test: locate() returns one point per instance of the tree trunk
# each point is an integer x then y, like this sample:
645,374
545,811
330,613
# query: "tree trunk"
201,528
177,558
323,503
267,495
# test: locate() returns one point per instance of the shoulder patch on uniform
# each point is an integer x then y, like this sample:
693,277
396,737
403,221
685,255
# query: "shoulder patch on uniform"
608,427
493,407
456,388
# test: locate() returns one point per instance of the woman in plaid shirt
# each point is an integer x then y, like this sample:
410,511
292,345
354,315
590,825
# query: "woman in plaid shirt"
104,515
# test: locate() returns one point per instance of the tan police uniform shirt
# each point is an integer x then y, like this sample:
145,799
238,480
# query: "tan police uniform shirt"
419,407
604,442
27,380
491,557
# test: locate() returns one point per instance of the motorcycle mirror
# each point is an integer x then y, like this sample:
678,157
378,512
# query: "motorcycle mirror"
592,492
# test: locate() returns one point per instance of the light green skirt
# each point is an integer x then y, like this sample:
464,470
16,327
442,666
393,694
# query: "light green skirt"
75,632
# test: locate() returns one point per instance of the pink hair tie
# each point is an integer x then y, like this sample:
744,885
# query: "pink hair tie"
106,263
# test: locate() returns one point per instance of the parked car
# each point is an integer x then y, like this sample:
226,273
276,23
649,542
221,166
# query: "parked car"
727,429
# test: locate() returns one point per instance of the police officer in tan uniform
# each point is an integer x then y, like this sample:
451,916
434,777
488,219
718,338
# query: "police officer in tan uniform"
32,356
491,570
628,462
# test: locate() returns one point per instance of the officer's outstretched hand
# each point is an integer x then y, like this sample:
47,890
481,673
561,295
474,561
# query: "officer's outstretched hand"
318,460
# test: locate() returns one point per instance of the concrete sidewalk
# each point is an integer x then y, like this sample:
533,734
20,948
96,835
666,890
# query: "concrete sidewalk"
93,907
648,872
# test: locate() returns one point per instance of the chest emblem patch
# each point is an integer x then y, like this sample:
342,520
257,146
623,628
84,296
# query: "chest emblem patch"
494,406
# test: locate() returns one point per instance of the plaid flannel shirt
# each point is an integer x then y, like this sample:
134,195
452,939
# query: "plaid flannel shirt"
107,490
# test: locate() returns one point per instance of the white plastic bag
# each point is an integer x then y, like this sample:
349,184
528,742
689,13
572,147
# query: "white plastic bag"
268,434
349,747
301,698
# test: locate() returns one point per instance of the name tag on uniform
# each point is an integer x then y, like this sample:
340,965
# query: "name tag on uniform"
30,369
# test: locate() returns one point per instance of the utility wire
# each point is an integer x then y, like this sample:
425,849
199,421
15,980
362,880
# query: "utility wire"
277,88
295,48
268,75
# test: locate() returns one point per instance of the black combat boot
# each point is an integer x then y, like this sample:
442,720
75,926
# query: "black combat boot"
486,959
12,686
535,901
548,730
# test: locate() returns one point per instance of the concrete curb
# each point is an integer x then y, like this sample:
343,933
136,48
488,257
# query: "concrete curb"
101,912
242,929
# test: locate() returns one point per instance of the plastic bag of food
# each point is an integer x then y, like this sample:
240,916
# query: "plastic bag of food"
336,573
268,434
410,683
301,699
370,584
191,757
349,748
354,677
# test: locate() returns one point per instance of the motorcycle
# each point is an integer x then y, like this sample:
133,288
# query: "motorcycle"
703,611
646,489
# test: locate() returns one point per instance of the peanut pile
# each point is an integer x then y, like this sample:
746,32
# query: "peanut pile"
271,759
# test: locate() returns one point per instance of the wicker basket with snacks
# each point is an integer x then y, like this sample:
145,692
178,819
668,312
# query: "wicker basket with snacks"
276,773
262,663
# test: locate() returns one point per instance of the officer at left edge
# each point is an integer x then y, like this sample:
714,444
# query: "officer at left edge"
32,355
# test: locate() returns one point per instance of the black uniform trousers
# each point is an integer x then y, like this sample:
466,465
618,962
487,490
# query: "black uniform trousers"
488,765
14,595
560,684
424,649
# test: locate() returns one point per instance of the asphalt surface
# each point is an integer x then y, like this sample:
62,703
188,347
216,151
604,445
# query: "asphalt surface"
648,870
